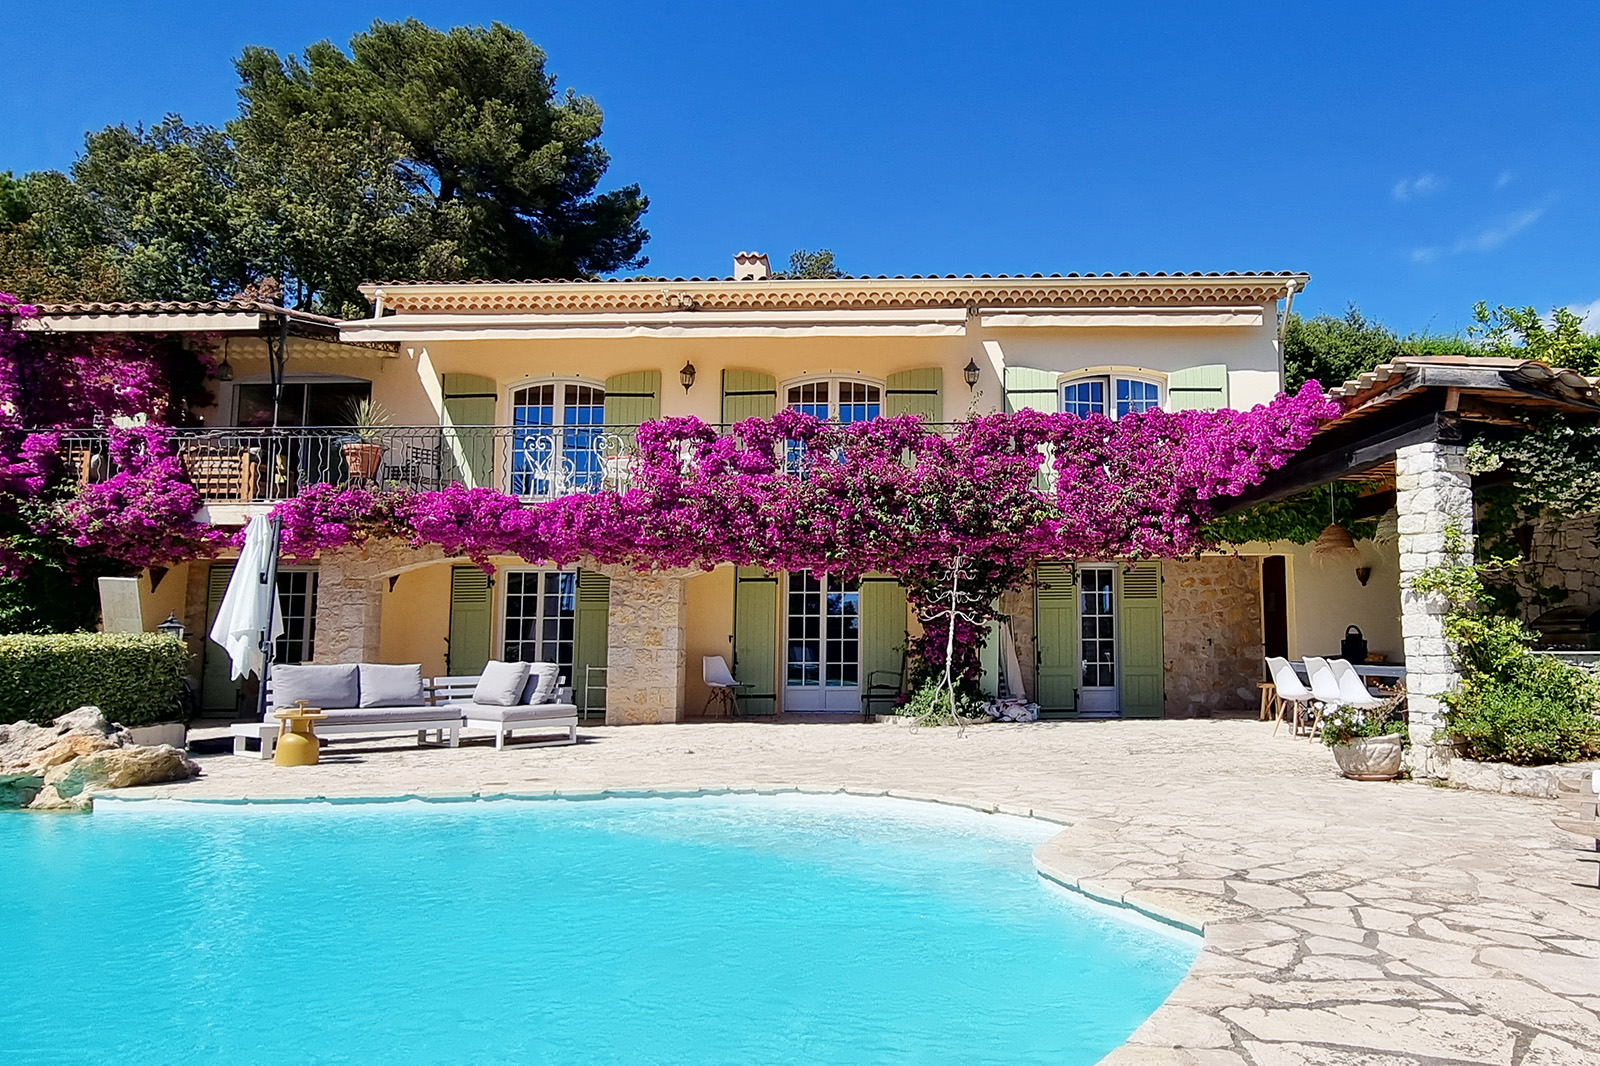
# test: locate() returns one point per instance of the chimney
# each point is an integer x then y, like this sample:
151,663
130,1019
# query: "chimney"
751,266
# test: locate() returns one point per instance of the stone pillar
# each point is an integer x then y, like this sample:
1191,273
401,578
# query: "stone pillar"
1433,490
646,646
349,608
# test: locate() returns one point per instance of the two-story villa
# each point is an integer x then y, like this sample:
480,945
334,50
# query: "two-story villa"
535,388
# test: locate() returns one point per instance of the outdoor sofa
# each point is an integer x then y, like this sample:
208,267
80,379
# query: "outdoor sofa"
379,698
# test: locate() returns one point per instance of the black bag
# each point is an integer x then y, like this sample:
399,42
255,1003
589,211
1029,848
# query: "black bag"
1353,648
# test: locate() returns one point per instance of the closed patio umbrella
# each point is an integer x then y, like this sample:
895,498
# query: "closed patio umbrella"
252,593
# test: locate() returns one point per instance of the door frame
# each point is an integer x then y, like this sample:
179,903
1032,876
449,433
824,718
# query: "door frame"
859,688
1086,704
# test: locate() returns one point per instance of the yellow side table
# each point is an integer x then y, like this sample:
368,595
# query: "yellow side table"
297,738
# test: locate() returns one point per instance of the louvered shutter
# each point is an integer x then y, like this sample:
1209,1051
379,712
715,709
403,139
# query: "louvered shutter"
471,622
633,398
1198,388
218,690
915,392
467,455
883,640
590,643
1143,673
1056,638
755,638
1028,389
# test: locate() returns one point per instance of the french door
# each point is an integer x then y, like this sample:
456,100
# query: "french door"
1097,640
822,624
555,443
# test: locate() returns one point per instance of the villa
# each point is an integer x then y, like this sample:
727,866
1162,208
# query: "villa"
536,388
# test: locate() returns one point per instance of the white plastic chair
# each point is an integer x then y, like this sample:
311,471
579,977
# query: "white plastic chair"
1324,689
1290,690
1353,691
719,679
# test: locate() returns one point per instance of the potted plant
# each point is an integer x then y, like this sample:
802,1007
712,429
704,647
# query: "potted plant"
1367,744
363,453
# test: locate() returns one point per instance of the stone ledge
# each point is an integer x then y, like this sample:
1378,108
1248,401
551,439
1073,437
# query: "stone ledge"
1543,782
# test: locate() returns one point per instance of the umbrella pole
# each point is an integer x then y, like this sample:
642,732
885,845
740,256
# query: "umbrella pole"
270,579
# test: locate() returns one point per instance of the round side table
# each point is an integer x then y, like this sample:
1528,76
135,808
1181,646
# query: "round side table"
297,738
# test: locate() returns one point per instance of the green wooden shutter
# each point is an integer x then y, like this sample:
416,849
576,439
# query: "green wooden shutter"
883,639
915,392
468,453
989,660
590,641
748,394
755,638
1056,637
218,690
1198,388
471,622
1028,389
633,398
1139,610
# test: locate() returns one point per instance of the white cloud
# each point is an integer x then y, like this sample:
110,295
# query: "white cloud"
1421,185
1589,312
1424,255
1499,232
1504,179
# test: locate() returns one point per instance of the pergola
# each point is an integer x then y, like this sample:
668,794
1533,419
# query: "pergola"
1404,434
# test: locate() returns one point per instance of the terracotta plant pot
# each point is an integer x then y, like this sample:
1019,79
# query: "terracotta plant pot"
363,459
1370,758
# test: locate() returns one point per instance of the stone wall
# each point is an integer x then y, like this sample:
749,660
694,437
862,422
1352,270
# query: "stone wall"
1211,634
646,646
1017,606
1561,555
350,584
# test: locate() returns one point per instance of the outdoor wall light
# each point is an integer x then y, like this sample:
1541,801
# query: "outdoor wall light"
225,370
1363,575
171,627
686,375
970,373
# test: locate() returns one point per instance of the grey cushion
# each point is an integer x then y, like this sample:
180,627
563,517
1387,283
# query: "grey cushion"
324,687
500,684
391,686
541,686
523,713
386,715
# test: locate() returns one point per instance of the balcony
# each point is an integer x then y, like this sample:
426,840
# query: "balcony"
241,466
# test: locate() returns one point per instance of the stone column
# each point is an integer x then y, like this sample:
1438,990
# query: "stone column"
1433,491
349,608
646,646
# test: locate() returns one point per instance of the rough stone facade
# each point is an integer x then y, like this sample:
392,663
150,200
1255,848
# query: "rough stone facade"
350,584
1432,490
1017,606
646,646
1565,556
1211,634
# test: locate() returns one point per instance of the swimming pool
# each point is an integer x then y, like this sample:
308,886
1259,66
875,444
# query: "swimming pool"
721,930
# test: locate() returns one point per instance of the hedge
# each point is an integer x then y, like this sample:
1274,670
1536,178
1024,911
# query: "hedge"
135,678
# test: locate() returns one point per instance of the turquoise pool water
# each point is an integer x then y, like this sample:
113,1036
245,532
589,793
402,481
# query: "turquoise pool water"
706,931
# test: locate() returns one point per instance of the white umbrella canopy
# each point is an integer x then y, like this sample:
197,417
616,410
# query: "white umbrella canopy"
251,592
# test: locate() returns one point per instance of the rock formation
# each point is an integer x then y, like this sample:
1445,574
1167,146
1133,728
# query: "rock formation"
58,766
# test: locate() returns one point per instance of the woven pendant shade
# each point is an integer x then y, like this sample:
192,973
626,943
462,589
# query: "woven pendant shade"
1334,545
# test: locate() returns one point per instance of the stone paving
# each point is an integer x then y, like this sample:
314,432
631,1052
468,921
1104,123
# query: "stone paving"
1347,923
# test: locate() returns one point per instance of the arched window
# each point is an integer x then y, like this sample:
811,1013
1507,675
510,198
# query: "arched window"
554,447
1112,393
842,400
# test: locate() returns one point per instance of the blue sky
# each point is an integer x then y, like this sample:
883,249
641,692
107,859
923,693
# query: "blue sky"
1412,157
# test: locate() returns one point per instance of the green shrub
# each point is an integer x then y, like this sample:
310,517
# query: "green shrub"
135,678
930,704
1508,722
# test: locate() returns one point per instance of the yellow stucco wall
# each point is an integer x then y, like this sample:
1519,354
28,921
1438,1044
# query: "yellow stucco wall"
1323,600
416,619
167,598
710,629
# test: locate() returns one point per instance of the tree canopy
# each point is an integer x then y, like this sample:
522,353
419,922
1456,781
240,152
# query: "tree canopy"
419,153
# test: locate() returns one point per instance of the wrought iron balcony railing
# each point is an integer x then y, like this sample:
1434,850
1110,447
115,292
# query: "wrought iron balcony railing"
267,465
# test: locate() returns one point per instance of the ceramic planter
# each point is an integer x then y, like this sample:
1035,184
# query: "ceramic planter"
1370,758
363,459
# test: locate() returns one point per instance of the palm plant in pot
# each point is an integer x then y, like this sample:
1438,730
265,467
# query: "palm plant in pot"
1368,744
364,452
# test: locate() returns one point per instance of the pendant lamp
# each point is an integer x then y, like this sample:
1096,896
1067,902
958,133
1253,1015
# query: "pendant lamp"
1334,545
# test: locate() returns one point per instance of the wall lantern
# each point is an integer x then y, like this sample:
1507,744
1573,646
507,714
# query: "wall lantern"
225,369
686,375
970,373
1363,575
171,627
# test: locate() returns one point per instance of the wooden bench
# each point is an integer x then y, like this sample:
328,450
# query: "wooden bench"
1584,817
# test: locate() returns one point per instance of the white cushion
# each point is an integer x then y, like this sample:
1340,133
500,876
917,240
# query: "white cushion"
523,713
500,684
391,686
323,687
541,686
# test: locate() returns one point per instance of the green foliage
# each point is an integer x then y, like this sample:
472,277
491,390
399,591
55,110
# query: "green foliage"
421,154
135,678
808,264
47,600
1521,333
1512,705
1297,519
1331,350
930,704
1341,725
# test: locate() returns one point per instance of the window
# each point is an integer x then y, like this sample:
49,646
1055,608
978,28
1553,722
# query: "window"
541,617
824,632
837,400
1088,396
297,602
305,403
555,447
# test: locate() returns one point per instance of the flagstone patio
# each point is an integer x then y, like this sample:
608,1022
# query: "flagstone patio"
1345,923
